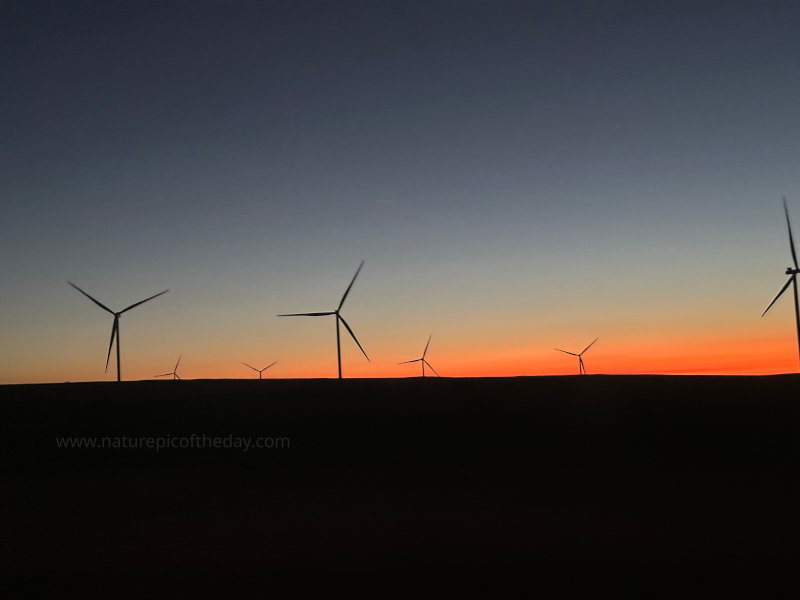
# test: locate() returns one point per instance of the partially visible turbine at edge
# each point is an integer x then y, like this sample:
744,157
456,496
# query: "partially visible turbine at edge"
792,273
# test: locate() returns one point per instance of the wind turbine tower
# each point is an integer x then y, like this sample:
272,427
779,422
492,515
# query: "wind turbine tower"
792,273
422,360
174,371
581,367
260,371
339,318
115,326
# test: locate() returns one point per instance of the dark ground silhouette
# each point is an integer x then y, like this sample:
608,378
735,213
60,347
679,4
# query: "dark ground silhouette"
642,483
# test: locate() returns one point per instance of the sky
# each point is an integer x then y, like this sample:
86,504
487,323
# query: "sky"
517,176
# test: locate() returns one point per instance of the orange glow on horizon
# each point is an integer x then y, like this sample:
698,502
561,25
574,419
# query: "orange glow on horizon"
613,357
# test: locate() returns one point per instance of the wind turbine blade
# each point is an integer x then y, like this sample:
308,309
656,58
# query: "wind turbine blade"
426,347
431,368
316,314
100,304
353,335
583,367
405,362
178,377
590,345
791,239
565,352
179,362
111,343
246,365
164,375
783,289
268,366
347,291
143,301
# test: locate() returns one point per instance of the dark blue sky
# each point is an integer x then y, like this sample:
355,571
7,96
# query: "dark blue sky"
478,154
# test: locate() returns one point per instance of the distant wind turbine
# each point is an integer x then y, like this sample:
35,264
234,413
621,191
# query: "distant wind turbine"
792,272
260,371
174,372
581,368
115,327
339,318
422,360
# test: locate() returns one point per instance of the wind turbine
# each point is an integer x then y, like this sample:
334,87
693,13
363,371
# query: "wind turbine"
792,272
260,371
339,318
174,372
422,360
581,368
115,327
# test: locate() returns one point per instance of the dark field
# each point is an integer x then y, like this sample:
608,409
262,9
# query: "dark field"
646,484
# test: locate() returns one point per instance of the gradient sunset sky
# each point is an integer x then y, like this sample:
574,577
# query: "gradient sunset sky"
518,176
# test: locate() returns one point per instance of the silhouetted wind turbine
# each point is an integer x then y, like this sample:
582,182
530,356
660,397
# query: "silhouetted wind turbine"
115,327
422,360
260,371
581,368
792,272
174,372
339,317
